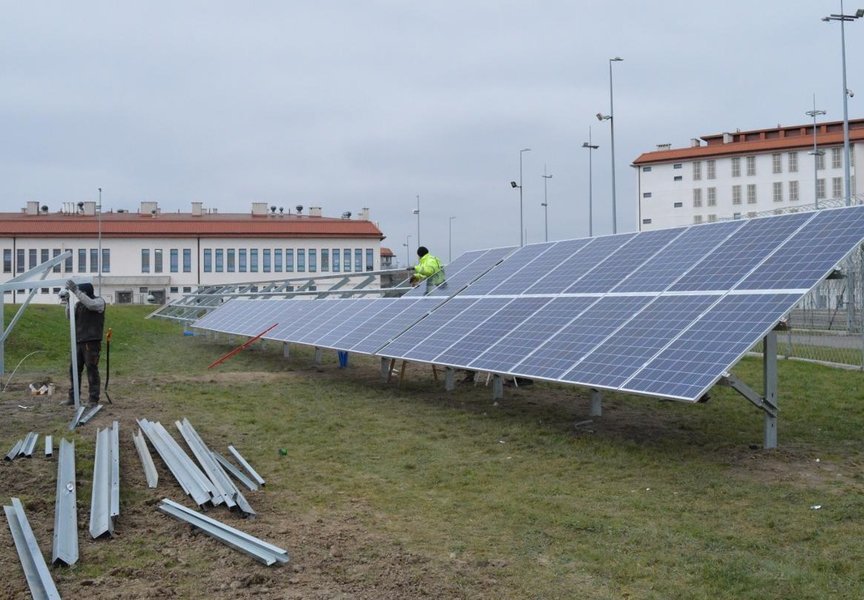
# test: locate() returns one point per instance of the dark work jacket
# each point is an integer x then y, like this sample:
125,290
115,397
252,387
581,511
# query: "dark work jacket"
89,324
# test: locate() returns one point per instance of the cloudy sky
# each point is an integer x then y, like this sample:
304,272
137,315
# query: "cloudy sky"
350,104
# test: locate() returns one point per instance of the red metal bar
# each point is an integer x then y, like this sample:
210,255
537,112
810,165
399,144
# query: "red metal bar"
241,347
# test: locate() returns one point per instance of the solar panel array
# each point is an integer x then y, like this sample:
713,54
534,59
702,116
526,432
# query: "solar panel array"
661,313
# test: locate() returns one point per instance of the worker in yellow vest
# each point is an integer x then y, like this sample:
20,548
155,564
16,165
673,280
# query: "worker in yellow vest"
428,269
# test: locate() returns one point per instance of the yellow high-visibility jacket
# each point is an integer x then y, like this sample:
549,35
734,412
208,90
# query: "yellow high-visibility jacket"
431,269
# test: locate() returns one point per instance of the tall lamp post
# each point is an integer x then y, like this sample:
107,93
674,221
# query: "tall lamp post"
590,147
846,93
816,152
546,179
99,259
407,245
416,211
519,185
611,118
450,240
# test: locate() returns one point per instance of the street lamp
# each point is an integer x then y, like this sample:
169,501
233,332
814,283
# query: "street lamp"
816,152
450,241
546,179
846,93
407,245
589,146
519,185
99,245
611,119
416,211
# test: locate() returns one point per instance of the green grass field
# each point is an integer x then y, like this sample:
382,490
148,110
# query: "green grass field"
654,499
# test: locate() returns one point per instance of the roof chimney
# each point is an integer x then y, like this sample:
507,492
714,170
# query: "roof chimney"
364,214
197,209
664,146
314,211
32,207
259,209
728,138
695,142
149,208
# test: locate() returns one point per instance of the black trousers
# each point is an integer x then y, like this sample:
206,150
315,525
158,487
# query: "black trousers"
88,355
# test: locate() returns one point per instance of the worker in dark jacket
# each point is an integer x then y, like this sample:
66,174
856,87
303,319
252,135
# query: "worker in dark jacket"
89,327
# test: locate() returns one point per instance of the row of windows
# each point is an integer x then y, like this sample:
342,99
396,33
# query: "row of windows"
301,260
26,259
750,164
159,260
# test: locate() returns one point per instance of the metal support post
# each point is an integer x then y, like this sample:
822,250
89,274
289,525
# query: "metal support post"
385,369
286,350
318,356
596,403
76,386
769,370
497,387
450,379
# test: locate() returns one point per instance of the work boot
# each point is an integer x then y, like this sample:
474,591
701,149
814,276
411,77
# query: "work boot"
68,402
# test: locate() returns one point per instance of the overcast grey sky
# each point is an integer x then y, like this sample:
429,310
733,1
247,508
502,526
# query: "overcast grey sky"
349,104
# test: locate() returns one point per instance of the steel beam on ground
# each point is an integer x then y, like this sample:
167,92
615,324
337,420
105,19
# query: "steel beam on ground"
252,472
65,549
146,460
35,570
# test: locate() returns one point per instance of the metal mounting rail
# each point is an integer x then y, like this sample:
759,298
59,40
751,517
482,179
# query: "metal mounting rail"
49,446
65,548
35,570
77,417
193,485
90,414
105,499
146,460
29,444
235,472
246,465
245,543
13,453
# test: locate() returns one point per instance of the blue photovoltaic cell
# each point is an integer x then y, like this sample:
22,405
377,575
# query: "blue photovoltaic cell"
627,350
553,257
527,337
454,283
398,321
744,249
810,254
516,261
222,318
352,335
558,355
694,361
365,309
569,270
462,261
432,335
324,323
609,272
293,329
678,257
502,319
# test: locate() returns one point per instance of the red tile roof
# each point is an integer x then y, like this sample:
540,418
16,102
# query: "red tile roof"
760,140
184,225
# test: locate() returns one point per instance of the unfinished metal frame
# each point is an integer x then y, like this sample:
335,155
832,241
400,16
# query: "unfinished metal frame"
105,498
65,549
245,543
32,562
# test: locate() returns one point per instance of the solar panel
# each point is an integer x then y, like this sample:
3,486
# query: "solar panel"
501,272
389,326
697,358
303,316
812,252
363,310
742,251
428,332
562,276
676,259
558,253
560,352
454,283
351,336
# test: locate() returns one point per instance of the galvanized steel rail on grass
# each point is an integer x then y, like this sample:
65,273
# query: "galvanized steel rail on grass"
35,570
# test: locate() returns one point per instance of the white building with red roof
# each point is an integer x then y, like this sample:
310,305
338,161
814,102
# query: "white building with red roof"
166,254
741,174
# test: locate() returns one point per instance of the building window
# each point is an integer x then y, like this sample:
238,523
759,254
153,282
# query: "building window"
697,198
646,221
54,254
751,215
793,191
778,191
230,260
7,260
751,165
187,260
106,260
157,261
678,178
335,260
736,216
776,163
145,260
301,260
712,196
289,261
174,289
19,259
736,167
370,259
242,265
346,262
325,260
697,219
678,205
820,160
736,194
836,158
43,255
677,166
220,260
313,260
94,260
712,218
253,260
277,260
67,265
836,187
208,260
33,258
646,169
646,194
697,170
267,263
751,193
187,289
358,259
793,162
712,169
173,260
820,188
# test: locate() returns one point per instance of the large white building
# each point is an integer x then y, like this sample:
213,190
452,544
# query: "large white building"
164,255
736,175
